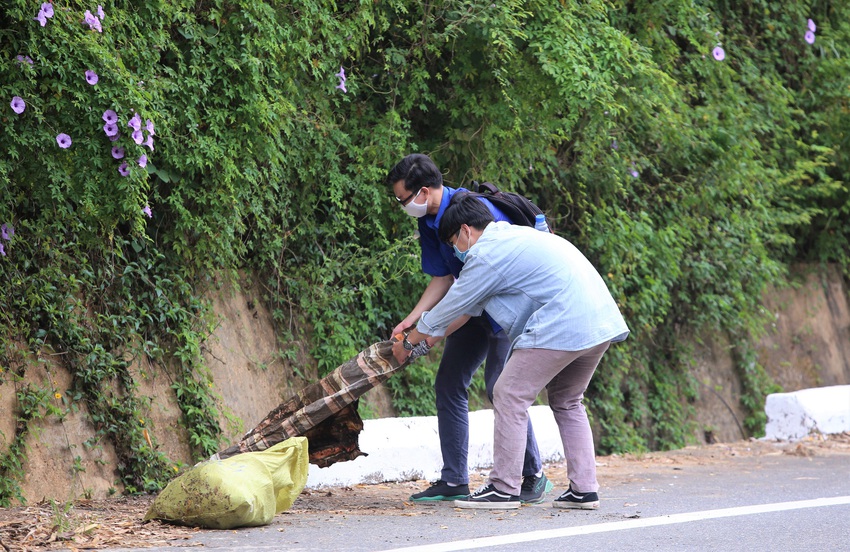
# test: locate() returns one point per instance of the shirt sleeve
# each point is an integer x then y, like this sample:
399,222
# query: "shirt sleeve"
468,295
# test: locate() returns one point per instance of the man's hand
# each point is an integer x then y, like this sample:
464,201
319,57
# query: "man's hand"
403,326
400,353
419,341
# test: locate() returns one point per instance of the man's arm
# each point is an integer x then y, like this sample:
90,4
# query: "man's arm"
415,336
434,292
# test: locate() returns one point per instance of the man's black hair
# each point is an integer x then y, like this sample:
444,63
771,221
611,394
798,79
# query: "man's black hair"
465,208
417,171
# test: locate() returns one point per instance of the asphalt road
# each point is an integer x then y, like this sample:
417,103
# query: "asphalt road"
770,503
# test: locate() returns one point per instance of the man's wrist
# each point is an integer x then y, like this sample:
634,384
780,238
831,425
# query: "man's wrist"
408,346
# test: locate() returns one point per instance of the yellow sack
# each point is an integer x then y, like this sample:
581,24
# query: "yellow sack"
245,490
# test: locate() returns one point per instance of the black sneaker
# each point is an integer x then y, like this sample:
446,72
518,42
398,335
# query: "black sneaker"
573,499
488,497
533,488
441,490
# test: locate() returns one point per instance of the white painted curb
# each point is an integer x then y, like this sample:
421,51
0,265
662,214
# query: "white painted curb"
407,449
793,416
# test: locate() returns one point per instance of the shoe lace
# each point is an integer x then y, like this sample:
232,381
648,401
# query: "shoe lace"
572,493
481,489
528,483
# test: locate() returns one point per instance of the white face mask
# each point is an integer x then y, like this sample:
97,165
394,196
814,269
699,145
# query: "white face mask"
414,209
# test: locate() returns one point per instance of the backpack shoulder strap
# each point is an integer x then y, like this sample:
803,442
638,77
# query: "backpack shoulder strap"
484,187
515,206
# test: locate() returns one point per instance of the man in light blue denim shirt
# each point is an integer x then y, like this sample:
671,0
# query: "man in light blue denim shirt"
560,318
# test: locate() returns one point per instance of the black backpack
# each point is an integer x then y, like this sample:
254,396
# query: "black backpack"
519,209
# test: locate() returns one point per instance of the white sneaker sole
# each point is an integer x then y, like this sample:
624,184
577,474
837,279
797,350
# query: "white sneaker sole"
487,505
576,505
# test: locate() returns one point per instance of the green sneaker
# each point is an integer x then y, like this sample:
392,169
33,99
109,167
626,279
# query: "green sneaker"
533,488
441,490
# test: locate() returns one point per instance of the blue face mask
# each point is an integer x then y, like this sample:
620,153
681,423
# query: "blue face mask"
461,255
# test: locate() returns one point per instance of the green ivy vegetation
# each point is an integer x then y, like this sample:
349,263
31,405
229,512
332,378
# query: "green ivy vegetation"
692,182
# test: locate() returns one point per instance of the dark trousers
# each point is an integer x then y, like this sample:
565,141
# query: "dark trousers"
464,352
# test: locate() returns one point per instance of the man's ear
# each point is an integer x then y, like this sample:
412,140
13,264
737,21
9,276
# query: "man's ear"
427,191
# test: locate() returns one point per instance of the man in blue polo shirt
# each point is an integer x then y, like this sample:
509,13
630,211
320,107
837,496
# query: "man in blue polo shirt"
417,184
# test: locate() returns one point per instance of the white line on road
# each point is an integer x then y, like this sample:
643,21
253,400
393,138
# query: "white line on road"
500,540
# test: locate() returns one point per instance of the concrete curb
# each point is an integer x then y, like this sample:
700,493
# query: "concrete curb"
793,416
407,449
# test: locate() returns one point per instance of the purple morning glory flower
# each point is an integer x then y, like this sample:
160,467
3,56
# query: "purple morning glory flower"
7,231
718,53
18,104
812,26
116,137
143,161
91,77
149,142
615,145
341,76
138,137
810,37
24,59
135,123
63,140
41,18
100,13
93,21
2,251
111,129
634,173
149,127
147,211
123,170
47,8
110,116
117,153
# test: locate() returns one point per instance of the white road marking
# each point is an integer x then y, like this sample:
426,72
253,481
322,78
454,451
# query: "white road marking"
688,517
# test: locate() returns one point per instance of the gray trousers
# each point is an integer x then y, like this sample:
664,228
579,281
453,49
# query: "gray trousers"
565,375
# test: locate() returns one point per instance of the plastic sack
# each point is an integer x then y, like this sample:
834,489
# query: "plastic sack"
246,490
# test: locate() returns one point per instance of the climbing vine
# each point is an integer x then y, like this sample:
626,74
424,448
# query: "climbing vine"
153,150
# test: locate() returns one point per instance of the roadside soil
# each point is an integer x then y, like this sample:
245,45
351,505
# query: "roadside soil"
117,522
